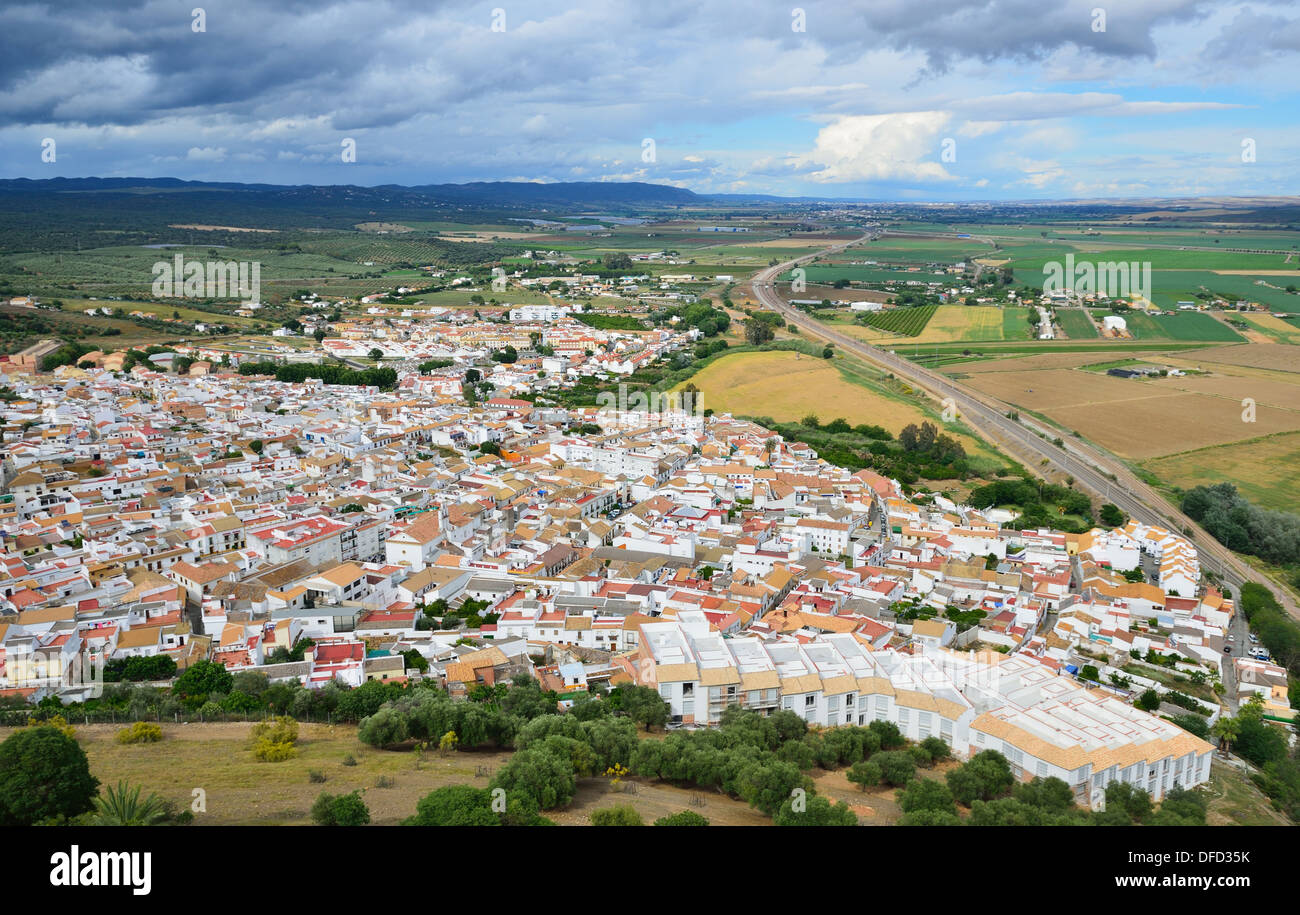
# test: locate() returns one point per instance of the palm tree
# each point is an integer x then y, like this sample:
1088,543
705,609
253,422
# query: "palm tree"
122,806
1227,730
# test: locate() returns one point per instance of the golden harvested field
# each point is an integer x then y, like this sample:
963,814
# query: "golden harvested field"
1148,418
1267,470
788,386
1235,385
1049,389
1259,355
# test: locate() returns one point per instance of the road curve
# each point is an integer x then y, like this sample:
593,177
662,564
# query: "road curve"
1093,471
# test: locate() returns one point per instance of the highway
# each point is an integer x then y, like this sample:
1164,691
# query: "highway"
1092,470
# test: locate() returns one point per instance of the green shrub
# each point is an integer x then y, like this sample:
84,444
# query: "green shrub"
685,818
340,810
140,732
621,815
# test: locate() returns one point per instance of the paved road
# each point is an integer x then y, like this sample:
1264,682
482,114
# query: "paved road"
1025,439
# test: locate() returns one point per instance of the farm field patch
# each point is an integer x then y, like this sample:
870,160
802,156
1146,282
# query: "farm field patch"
1076,324
1256,355
949,324
788,386
1266,470
909,322
1277,330
1138,418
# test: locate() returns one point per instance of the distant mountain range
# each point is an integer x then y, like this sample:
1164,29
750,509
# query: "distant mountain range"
563,195
526,194
498,193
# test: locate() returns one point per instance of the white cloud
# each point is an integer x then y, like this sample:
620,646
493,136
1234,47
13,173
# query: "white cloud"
880,147
206,153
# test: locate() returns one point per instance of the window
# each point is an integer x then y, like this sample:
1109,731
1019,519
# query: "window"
688,689
809,701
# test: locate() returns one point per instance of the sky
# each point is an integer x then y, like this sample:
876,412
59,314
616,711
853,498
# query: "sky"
908,100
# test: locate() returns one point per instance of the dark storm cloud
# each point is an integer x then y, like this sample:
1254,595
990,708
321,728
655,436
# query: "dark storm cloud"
376,64
950,30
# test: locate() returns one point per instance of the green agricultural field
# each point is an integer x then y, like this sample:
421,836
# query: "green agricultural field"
1185,326
1015,323
865,273
1075,323
1169,287
1196,326
1166,259
923,250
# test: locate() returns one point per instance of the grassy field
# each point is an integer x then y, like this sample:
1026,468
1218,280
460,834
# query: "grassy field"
1076,323
1235,801
163,312
1266,470
1015,323
1196,326
21,327
970,324
241,790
